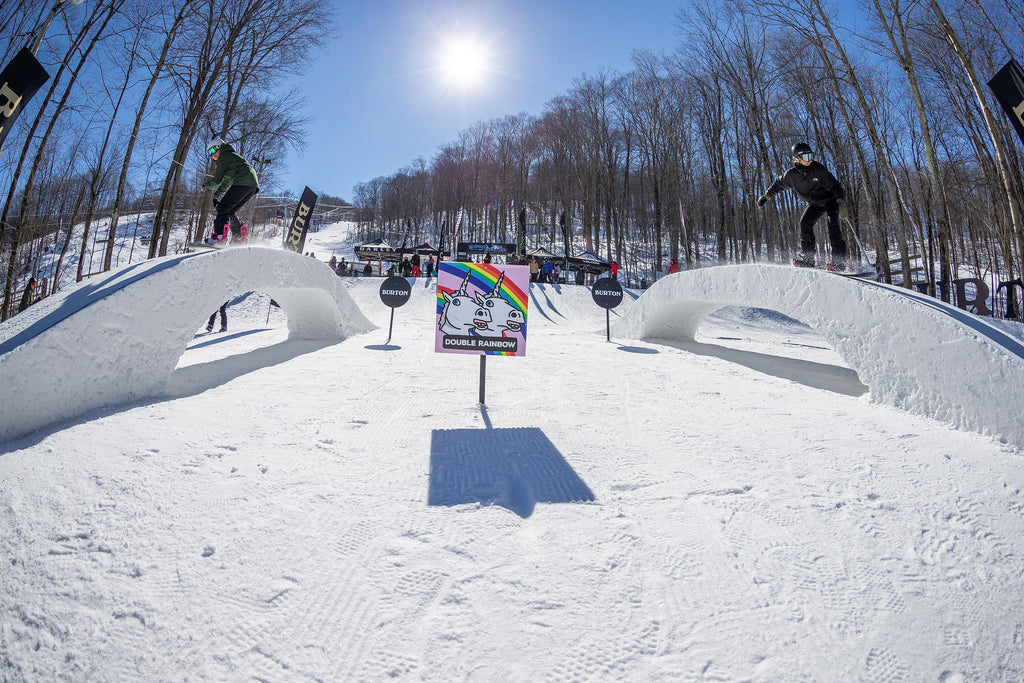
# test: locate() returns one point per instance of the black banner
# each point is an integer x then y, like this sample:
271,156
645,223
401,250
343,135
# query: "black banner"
295,238
565,237
19,81
1008,86
521,233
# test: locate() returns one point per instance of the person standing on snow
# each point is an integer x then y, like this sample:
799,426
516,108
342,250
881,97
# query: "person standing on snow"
26,298
234,182
223,318
813,183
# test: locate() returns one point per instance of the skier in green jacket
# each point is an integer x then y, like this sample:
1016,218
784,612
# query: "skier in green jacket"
234,182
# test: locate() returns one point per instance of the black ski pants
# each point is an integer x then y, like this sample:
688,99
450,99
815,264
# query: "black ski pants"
812,212
223,316
233,200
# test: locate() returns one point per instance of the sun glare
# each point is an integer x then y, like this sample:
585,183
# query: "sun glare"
463,62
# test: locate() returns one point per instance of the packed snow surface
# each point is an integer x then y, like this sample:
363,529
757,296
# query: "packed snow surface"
733,507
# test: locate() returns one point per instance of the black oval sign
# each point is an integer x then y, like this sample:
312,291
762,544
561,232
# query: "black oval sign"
607,292
395,291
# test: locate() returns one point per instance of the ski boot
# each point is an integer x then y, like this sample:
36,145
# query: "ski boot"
221,240
804,261
837,266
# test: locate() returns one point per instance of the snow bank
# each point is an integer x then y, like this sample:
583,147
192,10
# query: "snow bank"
914,352
117,338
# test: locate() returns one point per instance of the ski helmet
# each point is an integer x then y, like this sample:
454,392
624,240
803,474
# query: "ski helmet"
802,150
214,145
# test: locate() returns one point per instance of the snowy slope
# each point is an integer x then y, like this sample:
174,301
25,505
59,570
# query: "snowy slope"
754,515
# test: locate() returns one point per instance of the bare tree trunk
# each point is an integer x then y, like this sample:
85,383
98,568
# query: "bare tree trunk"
1005,173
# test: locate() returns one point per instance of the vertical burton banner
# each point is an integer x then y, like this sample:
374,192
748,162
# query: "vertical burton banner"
565,238
481,308
1008,86
295,237
521,234
19,81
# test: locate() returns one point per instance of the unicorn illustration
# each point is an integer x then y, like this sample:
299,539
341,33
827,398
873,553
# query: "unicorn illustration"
463,314
503,315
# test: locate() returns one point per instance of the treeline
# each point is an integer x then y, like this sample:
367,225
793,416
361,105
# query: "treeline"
137,88
662,161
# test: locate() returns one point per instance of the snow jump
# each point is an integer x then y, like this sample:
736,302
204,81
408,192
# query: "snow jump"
124,332
913,351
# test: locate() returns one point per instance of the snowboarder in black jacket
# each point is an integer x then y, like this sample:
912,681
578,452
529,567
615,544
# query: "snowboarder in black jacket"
824,195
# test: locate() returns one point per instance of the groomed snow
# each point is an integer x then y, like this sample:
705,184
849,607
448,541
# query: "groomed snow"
754,514
913,351
123,332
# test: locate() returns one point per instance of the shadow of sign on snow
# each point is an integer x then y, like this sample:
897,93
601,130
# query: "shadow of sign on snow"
513,468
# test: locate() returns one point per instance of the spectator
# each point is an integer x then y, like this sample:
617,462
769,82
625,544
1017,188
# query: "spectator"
614,267
674,267
223,318
26,298
534,269
367,270
430,267
406,267
546,270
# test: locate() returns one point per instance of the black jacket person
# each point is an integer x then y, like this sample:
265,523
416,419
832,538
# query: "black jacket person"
234,182
813,183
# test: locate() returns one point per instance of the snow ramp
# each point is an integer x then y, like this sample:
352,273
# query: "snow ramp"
913,351
117,337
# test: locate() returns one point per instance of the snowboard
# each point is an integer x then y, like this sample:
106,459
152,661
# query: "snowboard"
204,245
860,271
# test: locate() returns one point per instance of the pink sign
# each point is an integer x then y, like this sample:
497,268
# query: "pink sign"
481,308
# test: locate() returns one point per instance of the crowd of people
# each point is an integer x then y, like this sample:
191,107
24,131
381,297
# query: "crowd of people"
415,265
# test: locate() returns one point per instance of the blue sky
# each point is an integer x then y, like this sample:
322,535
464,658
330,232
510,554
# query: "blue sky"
379,98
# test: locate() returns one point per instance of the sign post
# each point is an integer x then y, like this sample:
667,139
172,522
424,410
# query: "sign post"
394,292
607,294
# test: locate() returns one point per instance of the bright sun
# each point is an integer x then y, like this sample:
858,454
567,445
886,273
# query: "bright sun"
463,62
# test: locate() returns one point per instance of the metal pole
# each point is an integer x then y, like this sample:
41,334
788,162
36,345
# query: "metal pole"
608,324
391,326
483,376
40,33
853,232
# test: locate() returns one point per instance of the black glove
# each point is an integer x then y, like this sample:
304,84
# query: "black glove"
216,202
762,200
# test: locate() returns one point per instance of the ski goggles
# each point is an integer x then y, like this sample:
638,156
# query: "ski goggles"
212,149
805,156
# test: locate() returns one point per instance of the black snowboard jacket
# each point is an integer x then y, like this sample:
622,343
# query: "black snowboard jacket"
814,184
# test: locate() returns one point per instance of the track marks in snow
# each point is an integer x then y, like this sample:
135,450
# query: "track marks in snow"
603,659
882,666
